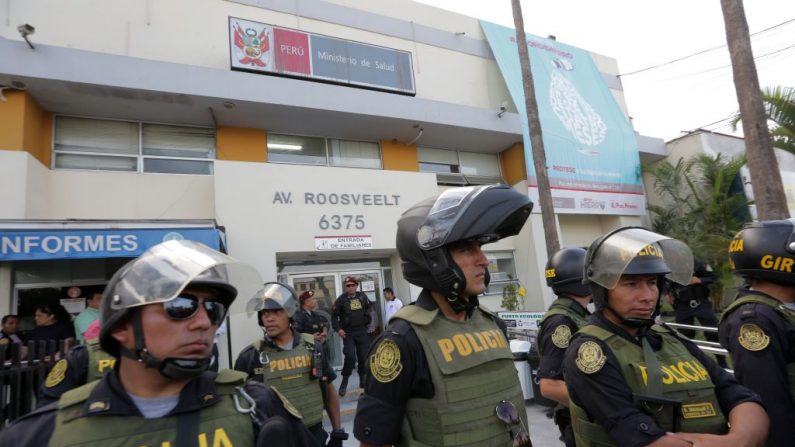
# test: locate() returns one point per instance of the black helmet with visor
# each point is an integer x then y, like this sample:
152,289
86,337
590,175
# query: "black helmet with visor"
481,213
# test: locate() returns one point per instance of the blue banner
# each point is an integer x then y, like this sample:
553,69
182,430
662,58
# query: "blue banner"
591,149
28,245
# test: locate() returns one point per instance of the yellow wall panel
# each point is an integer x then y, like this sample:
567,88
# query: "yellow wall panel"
399,156
241,144
512,164
25,126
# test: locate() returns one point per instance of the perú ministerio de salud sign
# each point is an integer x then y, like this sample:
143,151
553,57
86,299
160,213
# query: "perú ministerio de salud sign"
262,48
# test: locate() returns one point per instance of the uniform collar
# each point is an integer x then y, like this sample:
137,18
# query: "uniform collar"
109,397
655,340
296,341
426,301
574,305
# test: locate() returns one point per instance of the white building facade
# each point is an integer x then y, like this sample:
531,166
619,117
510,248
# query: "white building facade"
133,121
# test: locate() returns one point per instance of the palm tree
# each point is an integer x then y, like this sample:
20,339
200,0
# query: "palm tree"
702,207
779,104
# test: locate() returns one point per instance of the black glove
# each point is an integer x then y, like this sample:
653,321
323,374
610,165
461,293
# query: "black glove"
336,437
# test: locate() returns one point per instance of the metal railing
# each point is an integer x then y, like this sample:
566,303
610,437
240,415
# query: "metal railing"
22,369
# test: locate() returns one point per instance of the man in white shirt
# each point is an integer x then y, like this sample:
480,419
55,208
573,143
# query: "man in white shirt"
392,304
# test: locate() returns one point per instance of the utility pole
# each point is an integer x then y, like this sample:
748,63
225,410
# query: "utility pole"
769,197
537,143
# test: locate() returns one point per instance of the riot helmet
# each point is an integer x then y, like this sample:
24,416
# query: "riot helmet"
564,272
483,213
273,296
765,250
160,275
634,251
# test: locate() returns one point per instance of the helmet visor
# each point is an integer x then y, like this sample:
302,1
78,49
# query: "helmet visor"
165,270
444,214
273,296
613,257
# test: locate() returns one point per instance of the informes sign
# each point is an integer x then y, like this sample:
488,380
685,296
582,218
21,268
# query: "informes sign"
591,150
323,243
521,320
263,48
27,245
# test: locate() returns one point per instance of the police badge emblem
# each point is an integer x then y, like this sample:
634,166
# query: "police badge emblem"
385,364
590,358
752,337
57,373
561,336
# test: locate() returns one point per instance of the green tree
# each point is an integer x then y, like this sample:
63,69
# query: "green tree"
779,105
512,298
702,208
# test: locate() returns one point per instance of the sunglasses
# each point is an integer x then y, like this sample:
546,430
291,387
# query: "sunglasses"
507,412
350,285
185,306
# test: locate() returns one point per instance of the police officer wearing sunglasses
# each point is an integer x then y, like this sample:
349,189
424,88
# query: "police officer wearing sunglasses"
158,316
442,372
291,362
633,382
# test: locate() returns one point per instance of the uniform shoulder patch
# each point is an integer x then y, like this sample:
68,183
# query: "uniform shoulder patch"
385,364
561,336
590,357
57,373
752,337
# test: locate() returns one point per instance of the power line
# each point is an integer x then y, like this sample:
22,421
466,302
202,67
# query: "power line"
702,51
780,50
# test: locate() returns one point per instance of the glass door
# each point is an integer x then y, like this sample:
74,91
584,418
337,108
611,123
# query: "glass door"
328,286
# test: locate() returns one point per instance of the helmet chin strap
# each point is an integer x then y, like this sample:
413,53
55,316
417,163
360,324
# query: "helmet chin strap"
460,304
176,368
636,323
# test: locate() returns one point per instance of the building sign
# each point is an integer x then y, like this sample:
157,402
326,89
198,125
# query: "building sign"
323,243
27,245
591,150
263,48
521,320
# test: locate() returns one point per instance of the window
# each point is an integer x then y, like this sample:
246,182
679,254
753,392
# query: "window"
106,145
459,167
323,151
293,149
502,271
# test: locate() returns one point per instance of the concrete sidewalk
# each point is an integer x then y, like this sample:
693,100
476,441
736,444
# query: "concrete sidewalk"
543,432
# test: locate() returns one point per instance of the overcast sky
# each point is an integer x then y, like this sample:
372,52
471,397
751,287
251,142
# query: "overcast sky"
680,96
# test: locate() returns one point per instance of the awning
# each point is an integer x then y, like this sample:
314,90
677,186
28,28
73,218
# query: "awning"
38,240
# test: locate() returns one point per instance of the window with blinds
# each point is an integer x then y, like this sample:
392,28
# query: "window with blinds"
108,145
323,151
460,168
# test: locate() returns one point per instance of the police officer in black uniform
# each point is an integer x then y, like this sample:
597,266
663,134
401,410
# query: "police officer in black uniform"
308,321
565,316
291,362
350,317
635,383
442,372
83,364
692,301
159,314
758,328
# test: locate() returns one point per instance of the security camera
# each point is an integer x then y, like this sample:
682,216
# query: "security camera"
502,111
26,30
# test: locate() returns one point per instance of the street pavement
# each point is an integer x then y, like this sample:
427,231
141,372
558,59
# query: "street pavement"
543,431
